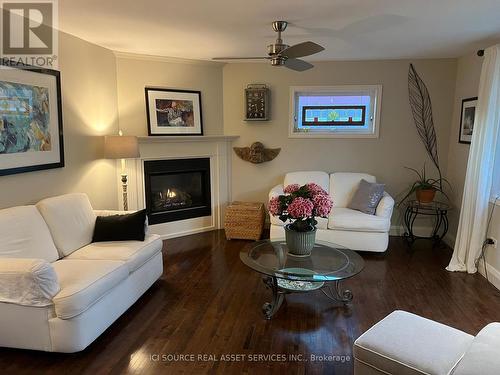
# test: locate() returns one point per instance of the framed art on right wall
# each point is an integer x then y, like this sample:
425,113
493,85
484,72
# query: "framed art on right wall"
467,120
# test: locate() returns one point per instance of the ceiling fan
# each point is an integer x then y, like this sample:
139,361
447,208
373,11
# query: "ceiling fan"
282,54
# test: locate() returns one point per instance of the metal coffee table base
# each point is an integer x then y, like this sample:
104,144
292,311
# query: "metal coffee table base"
334,293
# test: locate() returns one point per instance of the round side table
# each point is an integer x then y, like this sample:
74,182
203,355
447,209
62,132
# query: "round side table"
437,209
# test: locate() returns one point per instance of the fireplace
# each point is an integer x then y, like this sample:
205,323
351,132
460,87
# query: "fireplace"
177,189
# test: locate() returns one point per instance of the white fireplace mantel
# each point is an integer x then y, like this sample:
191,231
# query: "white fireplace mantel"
216,147
187,138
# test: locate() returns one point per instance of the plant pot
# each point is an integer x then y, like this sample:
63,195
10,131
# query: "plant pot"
300,243
425,195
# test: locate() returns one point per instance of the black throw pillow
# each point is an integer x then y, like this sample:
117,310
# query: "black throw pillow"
129,227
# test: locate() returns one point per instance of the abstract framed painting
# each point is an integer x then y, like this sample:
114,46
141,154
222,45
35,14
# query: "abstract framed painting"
173,112
467,120
31,129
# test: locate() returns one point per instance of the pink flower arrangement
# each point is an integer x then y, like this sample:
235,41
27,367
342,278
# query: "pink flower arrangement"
274,206
315,189
300,208
289,189
300,205
322,204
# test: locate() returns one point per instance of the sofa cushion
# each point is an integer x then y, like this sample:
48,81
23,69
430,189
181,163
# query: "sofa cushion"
133,253
482,356
347,219
85,282
27,282
24,234
302,178
404,343
343,186
126,227
70,219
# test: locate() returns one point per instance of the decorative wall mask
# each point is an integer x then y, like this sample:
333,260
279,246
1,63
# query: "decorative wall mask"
256,153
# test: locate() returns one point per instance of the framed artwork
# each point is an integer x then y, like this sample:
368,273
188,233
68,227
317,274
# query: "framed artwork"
173,112
467,120
31,129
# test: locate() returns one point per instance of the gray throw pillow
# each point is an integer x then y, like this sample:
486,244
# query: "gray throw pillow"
367,197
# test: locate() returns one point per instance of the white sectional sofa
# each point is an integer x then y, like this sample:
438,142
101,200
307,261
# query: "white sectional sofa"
350,228
59,291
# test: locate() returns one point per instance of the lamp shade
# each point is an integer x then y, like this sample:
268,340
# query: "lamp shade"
121,147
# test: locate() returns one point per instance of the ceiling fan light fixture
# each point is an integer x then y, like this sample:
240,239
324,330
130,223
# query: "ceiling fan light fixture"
275,49
279,26
281,54
278,61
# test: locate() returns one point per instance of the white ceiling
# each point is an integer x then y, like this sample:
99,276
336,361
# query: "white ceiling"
348,29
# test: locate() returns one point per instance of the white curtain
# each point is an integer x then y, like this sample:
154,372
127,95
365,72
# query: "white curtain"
478,181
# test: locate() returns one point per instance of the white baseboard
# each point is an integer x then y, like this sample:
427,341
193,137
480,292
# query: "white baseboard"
449,239
399,230
187,232
396,230
493,273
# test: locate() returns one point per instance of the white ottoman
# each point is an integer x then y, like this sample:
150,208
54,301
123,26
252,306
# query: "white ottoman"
483,356
404,343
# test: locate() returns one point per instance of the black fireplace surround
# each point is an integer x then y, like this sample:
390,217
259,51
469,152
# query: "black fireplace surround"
177,189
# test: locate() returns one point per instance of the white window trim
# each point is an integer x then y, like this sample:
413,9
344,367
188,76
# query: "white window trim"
332,89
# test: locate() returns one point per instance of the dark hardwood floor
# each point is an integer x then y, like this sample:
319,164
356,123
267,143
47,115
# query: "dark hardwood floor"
209,303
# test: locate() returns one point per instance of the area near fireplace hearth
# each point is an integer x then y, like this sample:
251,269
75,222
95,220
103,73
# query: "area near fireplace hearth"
198,189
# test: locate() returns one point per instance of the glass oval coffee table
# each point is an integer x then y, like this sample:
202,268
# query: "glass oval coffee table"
285,273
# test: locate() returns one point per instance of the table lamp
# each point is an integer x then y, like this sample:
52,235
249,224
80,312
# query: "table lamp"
121,147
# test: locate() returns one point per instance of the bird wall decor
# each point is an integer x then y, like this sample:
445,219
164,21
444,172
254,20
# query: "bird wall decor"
256,153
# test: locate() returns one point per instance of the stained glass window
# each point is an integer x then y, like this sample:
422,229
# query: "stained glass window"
335,111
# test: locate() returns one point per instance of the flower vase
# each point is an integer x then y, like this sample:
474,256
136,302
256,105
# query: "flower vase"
300,243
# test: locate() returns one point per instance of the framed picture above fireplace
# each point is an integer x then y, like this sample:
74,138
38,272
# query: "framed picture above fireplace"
173,112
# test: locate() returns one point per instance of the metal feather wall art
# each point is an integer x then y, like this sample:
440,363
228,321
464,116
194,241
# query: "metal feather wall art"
256,153
421,108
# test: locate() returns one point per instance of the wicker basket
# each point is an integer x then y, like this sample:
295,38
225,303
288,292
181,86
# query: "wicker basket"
244,220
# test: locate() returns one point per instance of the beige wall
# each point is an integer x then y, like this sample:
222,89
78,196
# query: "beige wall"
467,84
134,73
397,146
88,77
492,254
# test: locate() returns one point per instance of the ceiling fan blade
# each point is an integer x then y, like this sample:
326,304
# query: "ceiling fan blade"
239,58
298,65
302,49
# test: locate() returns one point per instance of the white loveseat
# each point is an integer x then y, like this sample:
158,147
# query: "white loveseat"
59,291
350,228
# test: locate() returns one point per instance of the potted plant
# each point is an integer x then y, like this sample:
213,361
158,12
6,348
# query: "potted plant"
425,188
301,205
